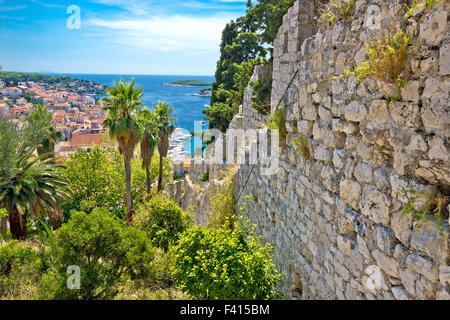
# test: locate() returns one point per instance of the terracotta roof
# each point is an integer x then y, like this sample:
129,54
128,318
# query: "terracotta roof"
187,163
87,140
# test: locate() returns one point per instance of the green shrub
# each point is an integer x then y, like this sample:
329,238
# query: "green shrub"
19,271
106,251
225,264
337,10
97,180
278,122
162,219
204,177
223,206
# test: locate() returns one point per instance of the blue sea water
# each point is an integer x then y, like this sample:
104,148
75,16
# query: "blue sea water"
187,108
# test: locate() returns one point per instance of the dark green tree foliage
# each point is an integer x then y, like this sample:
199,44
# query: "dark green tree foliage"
244,40
162,219
20,268
225,264
11,137
40,132
268,15
106,251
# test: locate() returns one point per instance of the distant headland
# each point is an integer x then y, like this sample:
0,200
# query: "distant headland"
188,83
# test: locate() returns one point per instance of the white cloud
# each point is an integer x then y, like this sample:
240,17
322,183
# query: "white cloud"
166,33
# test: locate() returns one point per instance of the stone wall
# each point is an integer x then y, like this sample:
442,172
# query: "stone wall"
334,219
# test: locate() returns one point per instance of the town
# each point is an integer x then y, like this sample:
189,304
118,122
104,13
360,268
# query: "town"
76,106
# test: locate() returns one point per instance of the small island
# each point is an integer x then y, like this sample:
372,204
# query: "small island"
188,83
205,92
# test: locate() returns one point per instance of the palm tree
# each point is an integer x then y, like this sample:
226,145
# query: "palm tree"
166,128
150,129
41,133
122,104
47,146
39,130
34,186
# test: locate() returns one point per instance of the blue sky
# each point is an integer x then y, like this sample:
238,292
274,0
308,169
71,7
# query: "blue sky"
179,37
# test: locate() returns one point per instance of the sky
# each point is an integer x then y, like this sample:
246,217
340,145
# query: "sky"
165,37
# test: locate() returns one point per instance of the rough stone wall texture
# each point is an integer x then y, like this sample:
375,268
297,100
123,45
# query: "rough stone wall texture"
334,219
193,197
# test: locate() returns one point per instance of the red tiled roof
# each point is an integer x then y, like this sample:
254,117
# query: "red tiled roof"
87,140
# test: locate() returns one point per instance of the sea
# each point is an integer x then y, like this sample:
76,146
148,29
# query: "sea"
187,108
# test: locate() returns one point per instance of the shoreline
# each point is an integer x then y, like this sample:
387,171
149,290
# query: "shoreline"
181,85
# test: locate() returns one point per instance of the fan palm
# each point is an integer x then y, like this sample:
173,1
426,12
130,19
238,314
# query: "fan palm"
122,104
47,146
41,133
150,129
166,128
35,185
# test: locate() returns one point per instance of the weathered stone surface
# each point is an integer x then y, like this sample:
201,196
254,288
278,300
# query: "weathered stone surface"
322,153
429,241
411,91
339,157
402,225
334,218
425,289
443,295
409,281
355,112
350,192
378,112
388,265
423,266
438,150
400,293
444,274
364,173
432,29
444,59
376,205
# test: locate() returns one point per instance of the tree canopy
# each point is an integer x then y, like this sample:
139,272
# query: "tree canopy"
245,43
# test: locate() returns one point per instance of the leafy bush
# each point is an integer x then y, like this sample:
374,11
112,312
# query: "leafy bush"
162,219
223,206
97,179
19,271
225,264
205,176
106,251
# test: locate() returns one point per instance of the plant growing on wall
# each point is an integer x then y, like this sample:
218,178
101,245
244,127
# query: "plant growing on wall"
277,121
337,10
386,61
416,6
422,205
205,176
301,143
